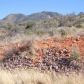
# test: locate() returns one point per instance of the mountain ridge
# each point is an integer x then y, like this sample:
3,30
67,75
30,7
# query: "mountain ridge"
45,16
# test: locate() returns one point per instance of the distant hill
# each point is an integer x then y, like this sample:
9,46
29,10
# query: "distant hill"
44,15
16,18
42,23
43,19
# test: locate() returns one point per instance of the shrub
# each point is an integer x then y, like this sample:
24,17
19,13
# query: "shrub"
63,32
75,55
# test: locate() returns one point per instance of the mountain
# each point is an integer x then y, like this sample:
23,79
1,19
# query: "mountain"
44,15
40,23
46,19
16,18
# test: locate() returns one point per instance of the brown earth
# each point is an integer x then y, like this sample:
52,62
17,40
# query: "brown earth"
67,43
39,45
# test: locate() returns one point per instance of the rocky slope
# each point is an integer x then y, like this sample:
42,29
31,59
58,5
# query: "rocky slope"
49,54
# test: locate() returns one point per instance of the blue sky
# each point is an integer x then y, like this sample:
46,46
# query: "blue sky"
32,6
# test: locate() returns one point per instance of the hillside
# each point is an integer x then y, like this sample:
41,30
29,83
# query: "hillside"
18,34
42,48
42,23
17,18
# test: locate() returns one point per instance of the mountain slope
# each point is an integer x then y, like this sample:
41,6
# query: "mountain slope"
14,18
46,18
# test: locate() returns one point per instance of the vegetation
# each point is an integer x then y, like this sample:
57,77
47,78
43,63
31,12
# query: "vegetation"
36,77
18,34
75,55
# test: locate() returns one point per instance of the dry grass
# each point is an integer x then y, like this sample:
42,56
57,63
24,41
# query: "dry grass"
36,77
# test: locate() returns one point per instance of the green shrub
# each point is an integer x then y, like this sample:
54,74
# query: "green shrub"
75,55
63,32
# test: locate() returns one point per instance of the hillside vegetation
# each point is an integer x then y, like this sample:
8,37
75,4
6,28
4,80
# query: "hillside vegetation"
42,48
43,23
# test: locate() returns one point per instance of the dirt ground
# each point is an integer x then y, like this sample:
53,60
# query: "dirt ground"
67,43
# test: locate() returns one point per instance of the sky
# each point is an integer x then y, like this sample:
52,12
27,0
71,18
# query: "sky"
32,6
